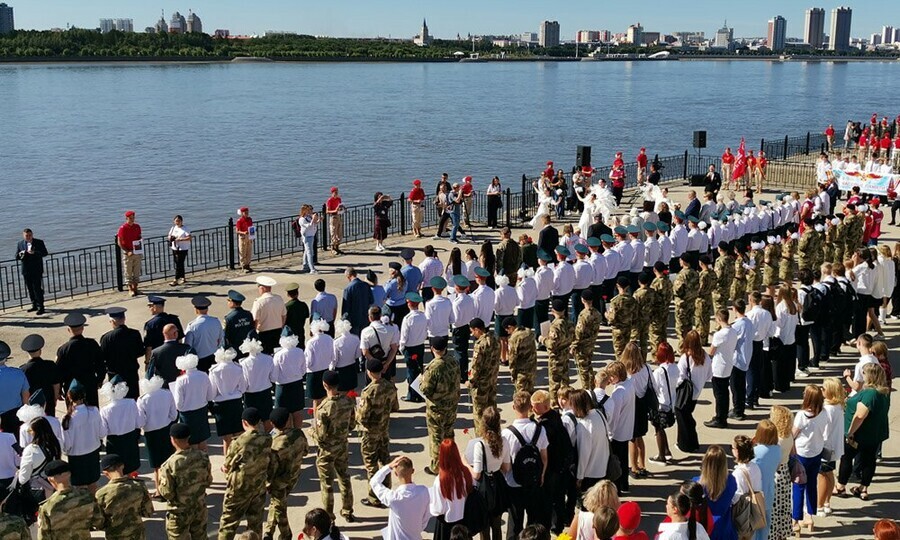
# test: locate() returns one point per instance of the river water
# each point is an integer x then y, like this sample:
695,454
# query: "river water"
79,144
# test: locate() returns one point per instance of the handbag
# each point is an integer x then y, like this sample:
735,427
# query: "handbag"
665,418
649,399
684,392
22,501
798,472
613,466
749,512
491,486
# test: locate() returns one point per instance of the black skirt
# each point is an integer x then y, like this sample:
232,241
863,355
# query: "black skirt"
228,416
85,468
198,421
261,401
641,416
159,446
290,396
348,377
499,331
314,387
126,447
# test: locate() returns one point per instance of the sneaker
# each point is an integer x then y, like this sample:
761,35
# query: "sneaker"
436,237
800,374
821,513
715,424
827,511
659,460
879,336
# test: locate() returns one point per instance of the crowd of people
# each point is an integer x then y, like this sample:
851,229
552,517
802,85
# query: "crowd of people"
575,449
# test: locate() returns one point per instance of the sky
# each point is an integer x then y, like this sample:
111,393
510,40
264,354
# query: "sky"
402,18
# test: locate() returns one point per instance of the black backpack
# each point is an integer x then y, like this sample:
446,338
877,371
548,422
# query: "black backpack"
837,300
650,399
814,305
527,466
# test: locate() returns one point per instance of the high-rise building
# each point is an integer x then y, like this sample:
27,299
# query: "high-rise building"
122,25
424,38
107,25
724,37
194,24
814,28
548,34
178,24
161,26
777,35
635,34
875,39
840,29
887,34
587,36
896,36
7,22
529,37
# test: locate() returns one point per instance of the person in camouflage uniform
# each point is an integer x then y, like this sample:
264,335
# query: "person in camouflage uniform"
818,253
788,251
739,285
522,355
13,528
123,502
663,287
854,226
724,276
828,244
289,447
771,256
440,387
805,246
558,342
622,316
837,237
377,402
183,480
246,472
586,330
703,306
685,288
754,275
334,420
483,370
649,305
70,512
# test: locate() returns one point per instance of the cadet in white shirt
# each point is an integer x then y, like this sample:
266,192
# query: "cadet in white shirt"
624,248
438,310
408,512
764,327
259,372
483,296
621,422
82,436
347,352
386,337
523,500
192,392
504,306
637,257
319,358
584,278
227,379
652,249
157,408
526,294
722,350
598,267
29,412
543,278
679,236
463,313
290,369
122,423
413,332
431,268
613,265
563,276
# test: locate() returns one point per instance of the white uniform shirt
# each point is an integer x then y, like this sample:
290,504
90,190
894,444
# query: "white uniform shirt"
699,375
652,251
665,248
598,265
439,313
543,278
622,421
725,341
413,329
563,279
408,507
463,310
430,267
25,437
378,332
483,297
290,365
319,353
637,257
259,371
584,274
227,379
762,323
627,253
697,241
192,390
613,263
526,293
157,409
665,381
452,510
120,417
679,236
85,431
505,300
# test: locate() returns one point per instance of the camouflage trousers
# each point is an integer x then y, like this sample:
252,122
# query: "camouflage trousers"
786,270
187,523
620,338
375,455
558,373
278,514
658,330
238,506
752,281
523,379
702,313
770,276
739,289
828,252
584,359
804,261
640,334
331,467
720,297
482,398
838,253
684,319
440,426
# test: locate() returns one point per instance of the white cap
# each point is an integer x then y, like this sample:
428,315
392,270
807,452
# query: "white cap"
266,281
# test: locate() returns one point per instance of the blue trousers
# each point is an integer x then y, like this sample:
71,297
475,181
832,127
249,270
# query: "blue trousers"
809,490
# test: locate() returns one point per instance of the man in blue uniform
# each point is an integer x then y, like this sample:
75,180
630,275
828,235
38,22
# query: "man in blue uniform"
122,347
204,334
238,322
81,358
411,273
153,335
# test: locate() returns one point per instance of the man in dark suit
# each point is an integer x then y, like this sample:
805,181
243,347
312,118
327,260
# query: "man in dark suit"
598,228
693,207
162,359
122,348
713,181
548,238
31,251
357,300
81,359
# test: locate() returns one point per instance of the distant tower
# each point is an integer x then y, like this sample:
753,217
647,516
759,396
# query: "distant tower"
814,28
839,37
161,26
548,34
178,24
7,23
724,37
777,35
194,24
424,39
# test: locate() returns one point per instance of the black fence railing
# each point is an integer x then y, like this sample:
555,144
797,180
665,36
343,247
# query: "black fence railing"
89,270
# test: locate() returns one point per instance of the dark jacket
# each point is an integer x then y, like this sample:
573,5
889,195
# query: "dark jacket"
560,454
596,230
548,239
355,305
693,208
162,360
32,263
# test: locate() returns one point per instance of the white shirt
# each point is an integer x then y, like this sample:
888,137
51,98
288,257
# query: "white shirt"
622,422
452,510
592,441
319,353
413,329
834,430
543,278
598,262
865,278
475,457
9,459
563,279
741,473
526,428
227,379
505,300
430,267
468,269
697,241
860,364
763,324
346,351
665,388
700,375
85,431
802,291
180,233
192,390
463,310
259,372
652,251
120,417
725,341
679,236
639,381
785,324
290,364
439,313
614,263
157,409
483,297
25,437
810,441
377,332
32,459
627,253
637,258
679,531
665,248
526,292
408,507
584,274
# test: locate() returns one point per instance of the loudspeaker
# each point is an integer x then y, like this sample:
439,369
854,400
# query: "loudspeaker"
698,180
583,157
699,139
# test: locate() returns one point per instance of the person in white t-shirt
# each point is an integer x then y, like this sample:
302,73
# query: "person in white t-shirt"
408,512
622,422
523,500
855,378
835,397
488,455
810,431
722,349
681,524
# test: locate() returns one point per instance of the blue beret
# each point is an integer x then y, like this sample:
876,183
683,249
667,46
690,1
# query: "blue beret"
235,296
544,256
76,386
633,229
679,214
437,282
593,241
117,379
461,281
608,238
562,250
649,226
620,230
663,227
286,331
414,297
581,248
481,272
693,219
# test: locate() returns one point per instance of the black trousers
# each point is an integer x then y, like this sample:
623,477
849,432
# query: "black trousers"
427,293
415,365
564,298
620,450
461,335
494,204
577,306
34,283
555,514
204,364
738,382
523,501
720,394
617,193
802,347
819,332
541,314
867,454
784,365
687,428
398,313
269,339
179,256
754,374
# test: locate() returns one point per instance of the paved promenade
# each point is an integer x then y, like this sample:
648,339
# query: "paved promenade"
852,519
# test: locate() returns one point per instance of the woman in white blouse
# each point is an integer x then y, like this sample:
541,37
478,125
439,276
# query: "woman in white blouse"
346,356
865,272
488,454
157,408
639,374
122,423
83,434
787,315
470,264
227,379
9,461
810,427
289,370
259,372
448,497
193,392
746,473
835,396
695,366
494,194
888,279
44,448
591,441
179,238
665,378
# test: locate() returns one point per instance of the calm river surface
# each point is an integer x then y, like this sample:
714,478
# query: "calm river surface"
81,143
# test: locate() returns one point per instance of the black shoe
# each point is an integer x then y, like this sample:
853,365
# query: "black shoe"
32,309
429,471
736,415
750,406
40,311
371,504
716,424
349,517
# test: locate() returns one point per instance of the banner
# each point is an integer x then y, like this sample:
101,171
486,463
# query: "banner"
870,183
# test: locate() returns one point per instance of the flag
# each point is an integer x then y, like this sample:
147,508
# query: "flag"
740,164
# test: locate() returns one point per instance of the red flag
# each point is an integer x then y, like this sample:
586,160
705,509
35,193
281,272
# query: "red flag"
740,164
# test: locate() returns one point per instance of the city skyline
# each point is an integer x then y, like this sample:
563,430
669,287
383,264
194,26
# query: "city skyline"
400,18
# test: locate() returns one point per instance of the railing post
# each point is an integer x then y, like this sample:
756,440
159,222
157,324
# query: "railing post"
403,213
522,212
324,233
807,143
120,278
762,145
508,203
685,174
230,233
785,147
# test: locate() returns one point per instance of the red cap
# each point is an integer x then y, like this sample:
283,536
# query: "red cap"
129,213
243,209
333,189
417,182
629,515
587,170
618,153
876,202
467,179
549,163
643,149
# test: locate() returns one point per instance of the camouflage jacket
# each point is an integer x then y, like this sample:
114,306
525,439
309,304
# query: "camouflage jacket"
334,420
485,361
622,313
69,514
648,305
13,528
707,281
560,336
289,447
686,285
440,382
522,350
586,330
123,502
663,286
184,477
724,272
247,461
376,403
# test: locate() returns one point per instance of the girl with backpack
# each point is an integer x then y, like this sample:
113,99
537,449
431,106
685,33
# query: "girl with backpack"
665,376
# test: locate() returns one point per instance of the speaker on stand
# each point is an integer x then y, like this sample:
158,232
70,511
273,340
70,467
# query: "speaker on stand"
583,157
